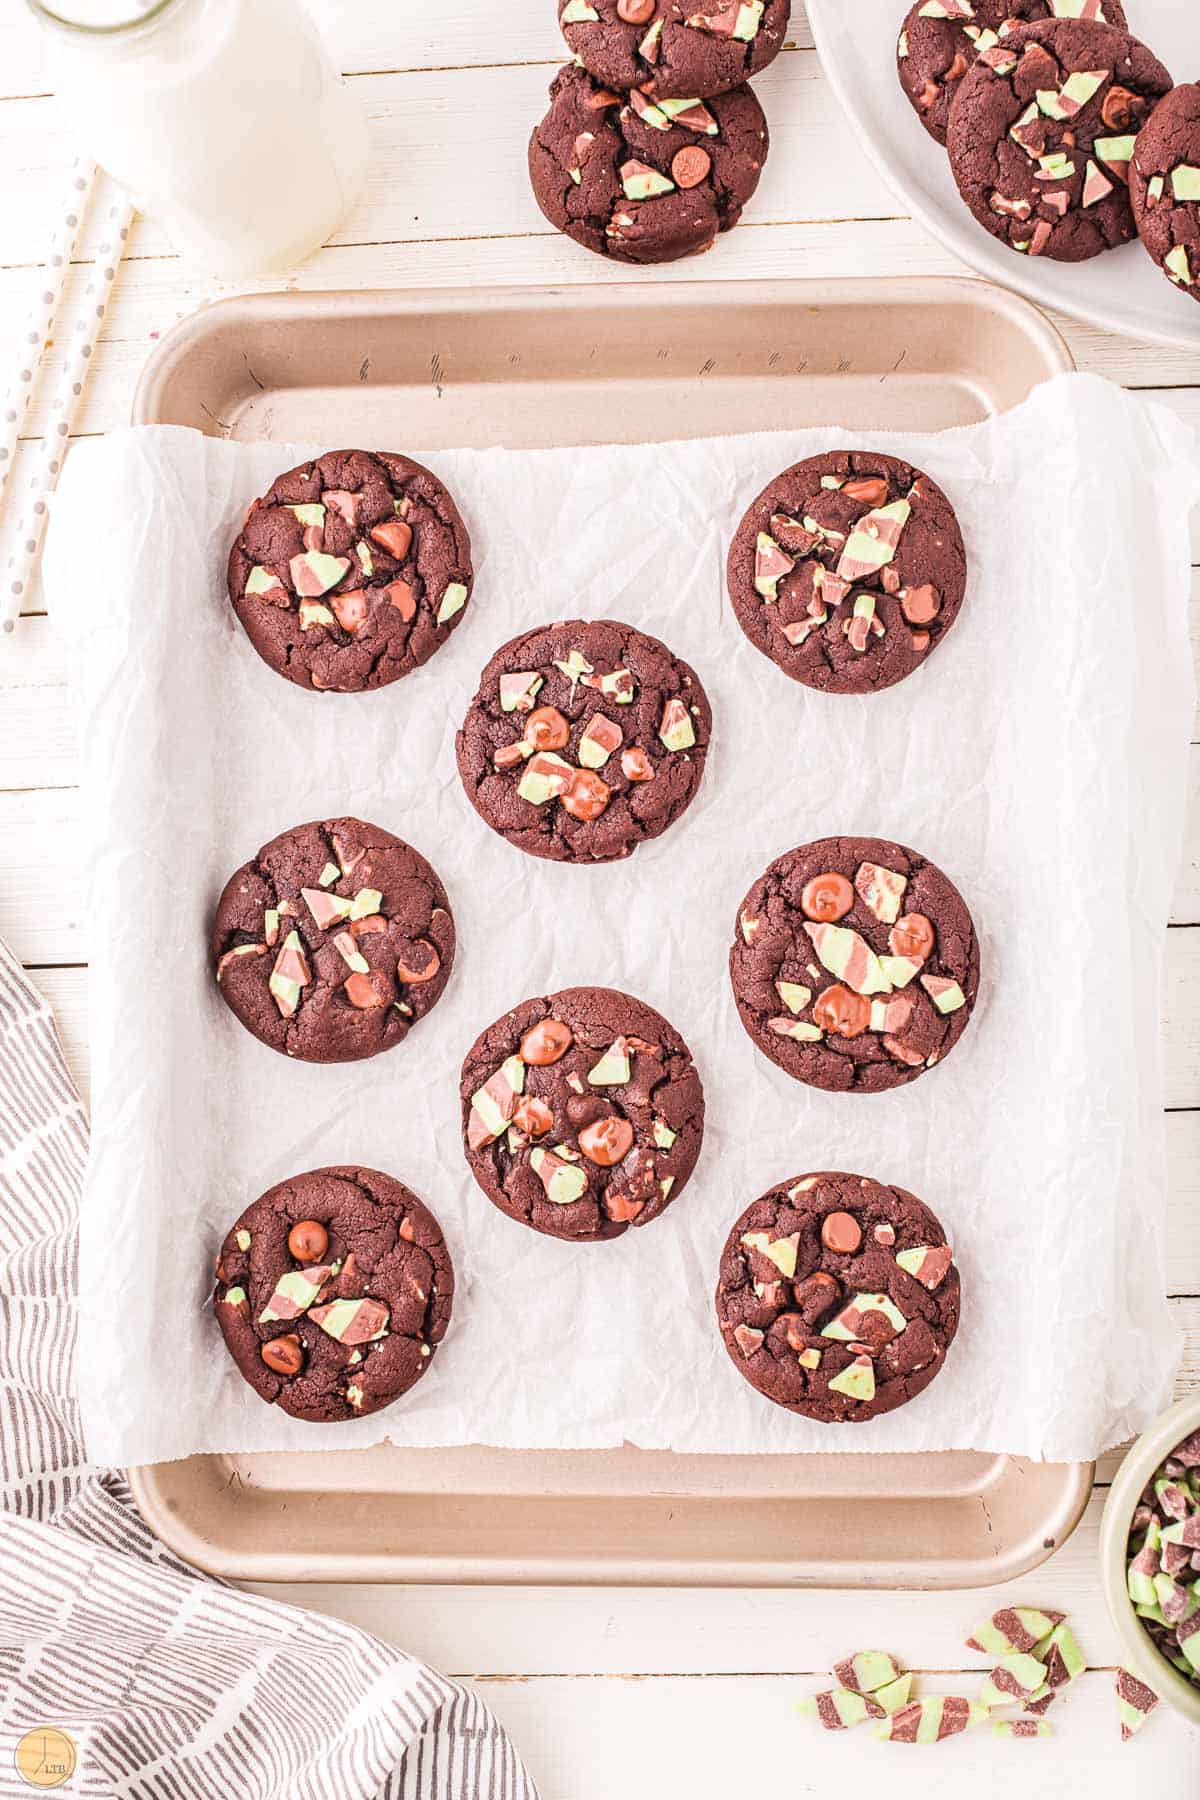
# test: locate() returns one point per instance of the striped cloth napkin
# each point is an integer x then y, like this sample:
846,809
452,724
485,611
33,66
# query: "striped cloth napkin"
170,1684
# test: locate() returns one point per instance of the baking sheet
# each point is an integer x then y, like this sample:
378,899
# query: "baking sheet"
1038,1143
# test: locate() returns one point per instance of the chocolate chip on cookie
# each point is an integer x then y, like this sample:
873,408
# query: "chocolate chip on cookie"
333,1291
941,39
1042,132
351,571
582,1113
674,49
585,738
333,941
838,1297
644,180
854,965
1164,186
848,570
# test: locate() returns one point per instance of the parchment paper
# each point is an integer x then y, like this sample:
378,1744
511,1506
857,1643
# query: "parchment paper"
1039,759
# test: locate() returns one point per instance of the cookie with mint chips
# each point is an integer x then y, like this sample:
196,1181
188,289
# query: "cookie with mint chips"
855,966
1042,133
819,1310
1164,187
586,738
333,1291
674,48
848,570
645,180
940,41
582,1113
351,571
333,941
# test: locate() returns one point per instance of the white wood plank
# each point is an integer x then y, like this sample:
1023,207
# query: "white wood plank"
596,1739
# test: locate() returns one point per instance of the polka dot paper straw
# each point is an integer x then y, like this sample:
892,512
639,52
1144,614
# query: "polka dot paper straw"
26,538
41,317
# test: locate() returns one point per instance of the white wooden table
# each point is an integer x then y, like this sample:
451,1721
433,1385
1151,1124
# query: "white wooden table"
612,1695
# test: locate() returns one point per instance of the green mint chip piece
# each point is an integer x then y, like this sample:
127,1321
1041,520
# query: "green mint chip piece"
453,601
260,581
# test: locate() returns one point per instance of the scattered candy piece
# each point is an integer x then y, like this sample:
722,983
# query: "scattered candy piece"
1013,1628
840,1709
1135,1703
1018,1676
866,1671
930,1720
1022,1728
600,738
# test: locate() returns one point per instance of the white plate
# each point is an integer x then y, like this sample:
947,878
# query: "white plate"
1119,291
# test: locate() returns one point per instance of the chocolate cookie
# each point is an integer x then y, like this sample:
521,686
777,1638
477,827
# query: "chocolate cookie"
666,49
1042,131
1164,187
854,964
848,570
941,39
333,941
333,1291
582,1113
351,571
644,181
585,738
838,1297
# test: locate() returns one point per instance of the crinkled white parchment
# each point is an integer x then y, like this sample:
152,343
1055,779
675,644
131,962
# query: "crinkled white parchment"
1039,759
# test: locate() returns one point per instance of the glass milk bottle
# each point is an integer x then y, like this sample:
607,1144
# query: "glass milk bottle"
224,120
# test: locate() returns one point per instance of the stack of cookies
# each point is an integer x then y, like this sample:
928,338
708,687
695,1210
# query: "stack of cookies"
654,140
1065,135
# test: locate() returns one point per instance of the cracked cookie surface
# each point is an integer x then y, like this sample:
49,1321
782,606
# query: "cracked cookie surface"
644,180
333,1290
838,1297
584,739
333,941
854,965
941,39
848,570
1041,136
1164,187
582,1113
674,48
351,571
